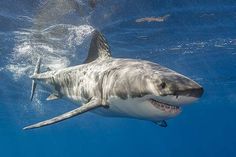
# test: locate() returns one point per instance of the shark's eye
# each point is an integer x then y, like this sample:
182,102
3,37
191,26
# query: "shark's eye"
163,85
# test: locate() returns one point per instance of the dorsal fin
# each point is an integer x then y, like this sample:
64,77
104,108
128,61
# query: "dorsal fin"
99,48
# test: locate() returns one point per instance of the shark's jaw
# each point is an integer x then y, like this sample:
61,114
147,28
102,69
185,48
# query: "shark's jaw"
164,107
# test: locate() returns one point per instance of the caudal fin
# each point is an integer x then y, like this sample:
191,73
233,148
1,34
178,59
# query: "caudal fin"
36,71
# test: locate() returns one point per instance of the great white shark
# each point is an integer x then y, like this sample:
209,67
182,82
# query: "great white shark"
117,87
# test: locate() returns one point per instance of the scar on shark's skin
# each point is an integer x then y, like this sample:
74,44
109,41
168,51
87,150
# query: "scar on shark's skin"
153,19
117,87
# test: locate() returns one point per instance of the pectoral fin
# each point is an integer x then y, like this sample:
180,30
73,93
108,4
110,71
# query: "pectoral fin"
84,108
53,97
161,123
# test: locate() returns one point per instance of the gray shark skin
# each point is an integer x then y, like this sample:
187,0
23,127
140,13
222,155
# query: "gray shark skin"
118,87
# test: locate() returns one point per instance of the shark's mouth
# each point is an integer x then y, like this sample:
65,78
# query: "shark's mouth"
165,107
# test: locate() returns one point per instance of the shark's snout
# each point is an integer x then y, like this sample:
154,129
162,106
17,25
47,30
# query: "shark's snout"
178,90
199,92
187,96
194,92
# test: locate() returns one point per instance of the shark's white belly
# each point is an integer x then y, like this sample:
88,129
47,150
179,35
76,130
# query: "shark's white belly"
138,108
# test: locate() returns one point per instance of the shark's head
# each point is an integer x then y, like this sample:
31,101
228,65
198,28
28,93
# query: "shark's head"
175,89
159,91
171,90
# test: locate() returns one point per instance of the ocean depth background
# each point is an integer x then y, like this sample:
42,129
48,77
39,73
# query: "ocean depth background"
194,37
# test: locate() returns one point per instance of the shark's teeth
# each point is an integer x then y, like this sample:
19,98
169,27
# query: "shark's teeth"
165,107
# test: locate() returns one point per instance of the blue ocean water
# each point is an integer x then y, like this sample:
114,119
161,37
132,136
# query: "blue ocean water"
197,39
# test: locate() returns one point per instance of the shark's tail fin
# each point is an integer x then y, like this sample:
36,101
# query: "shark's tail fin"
36,71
